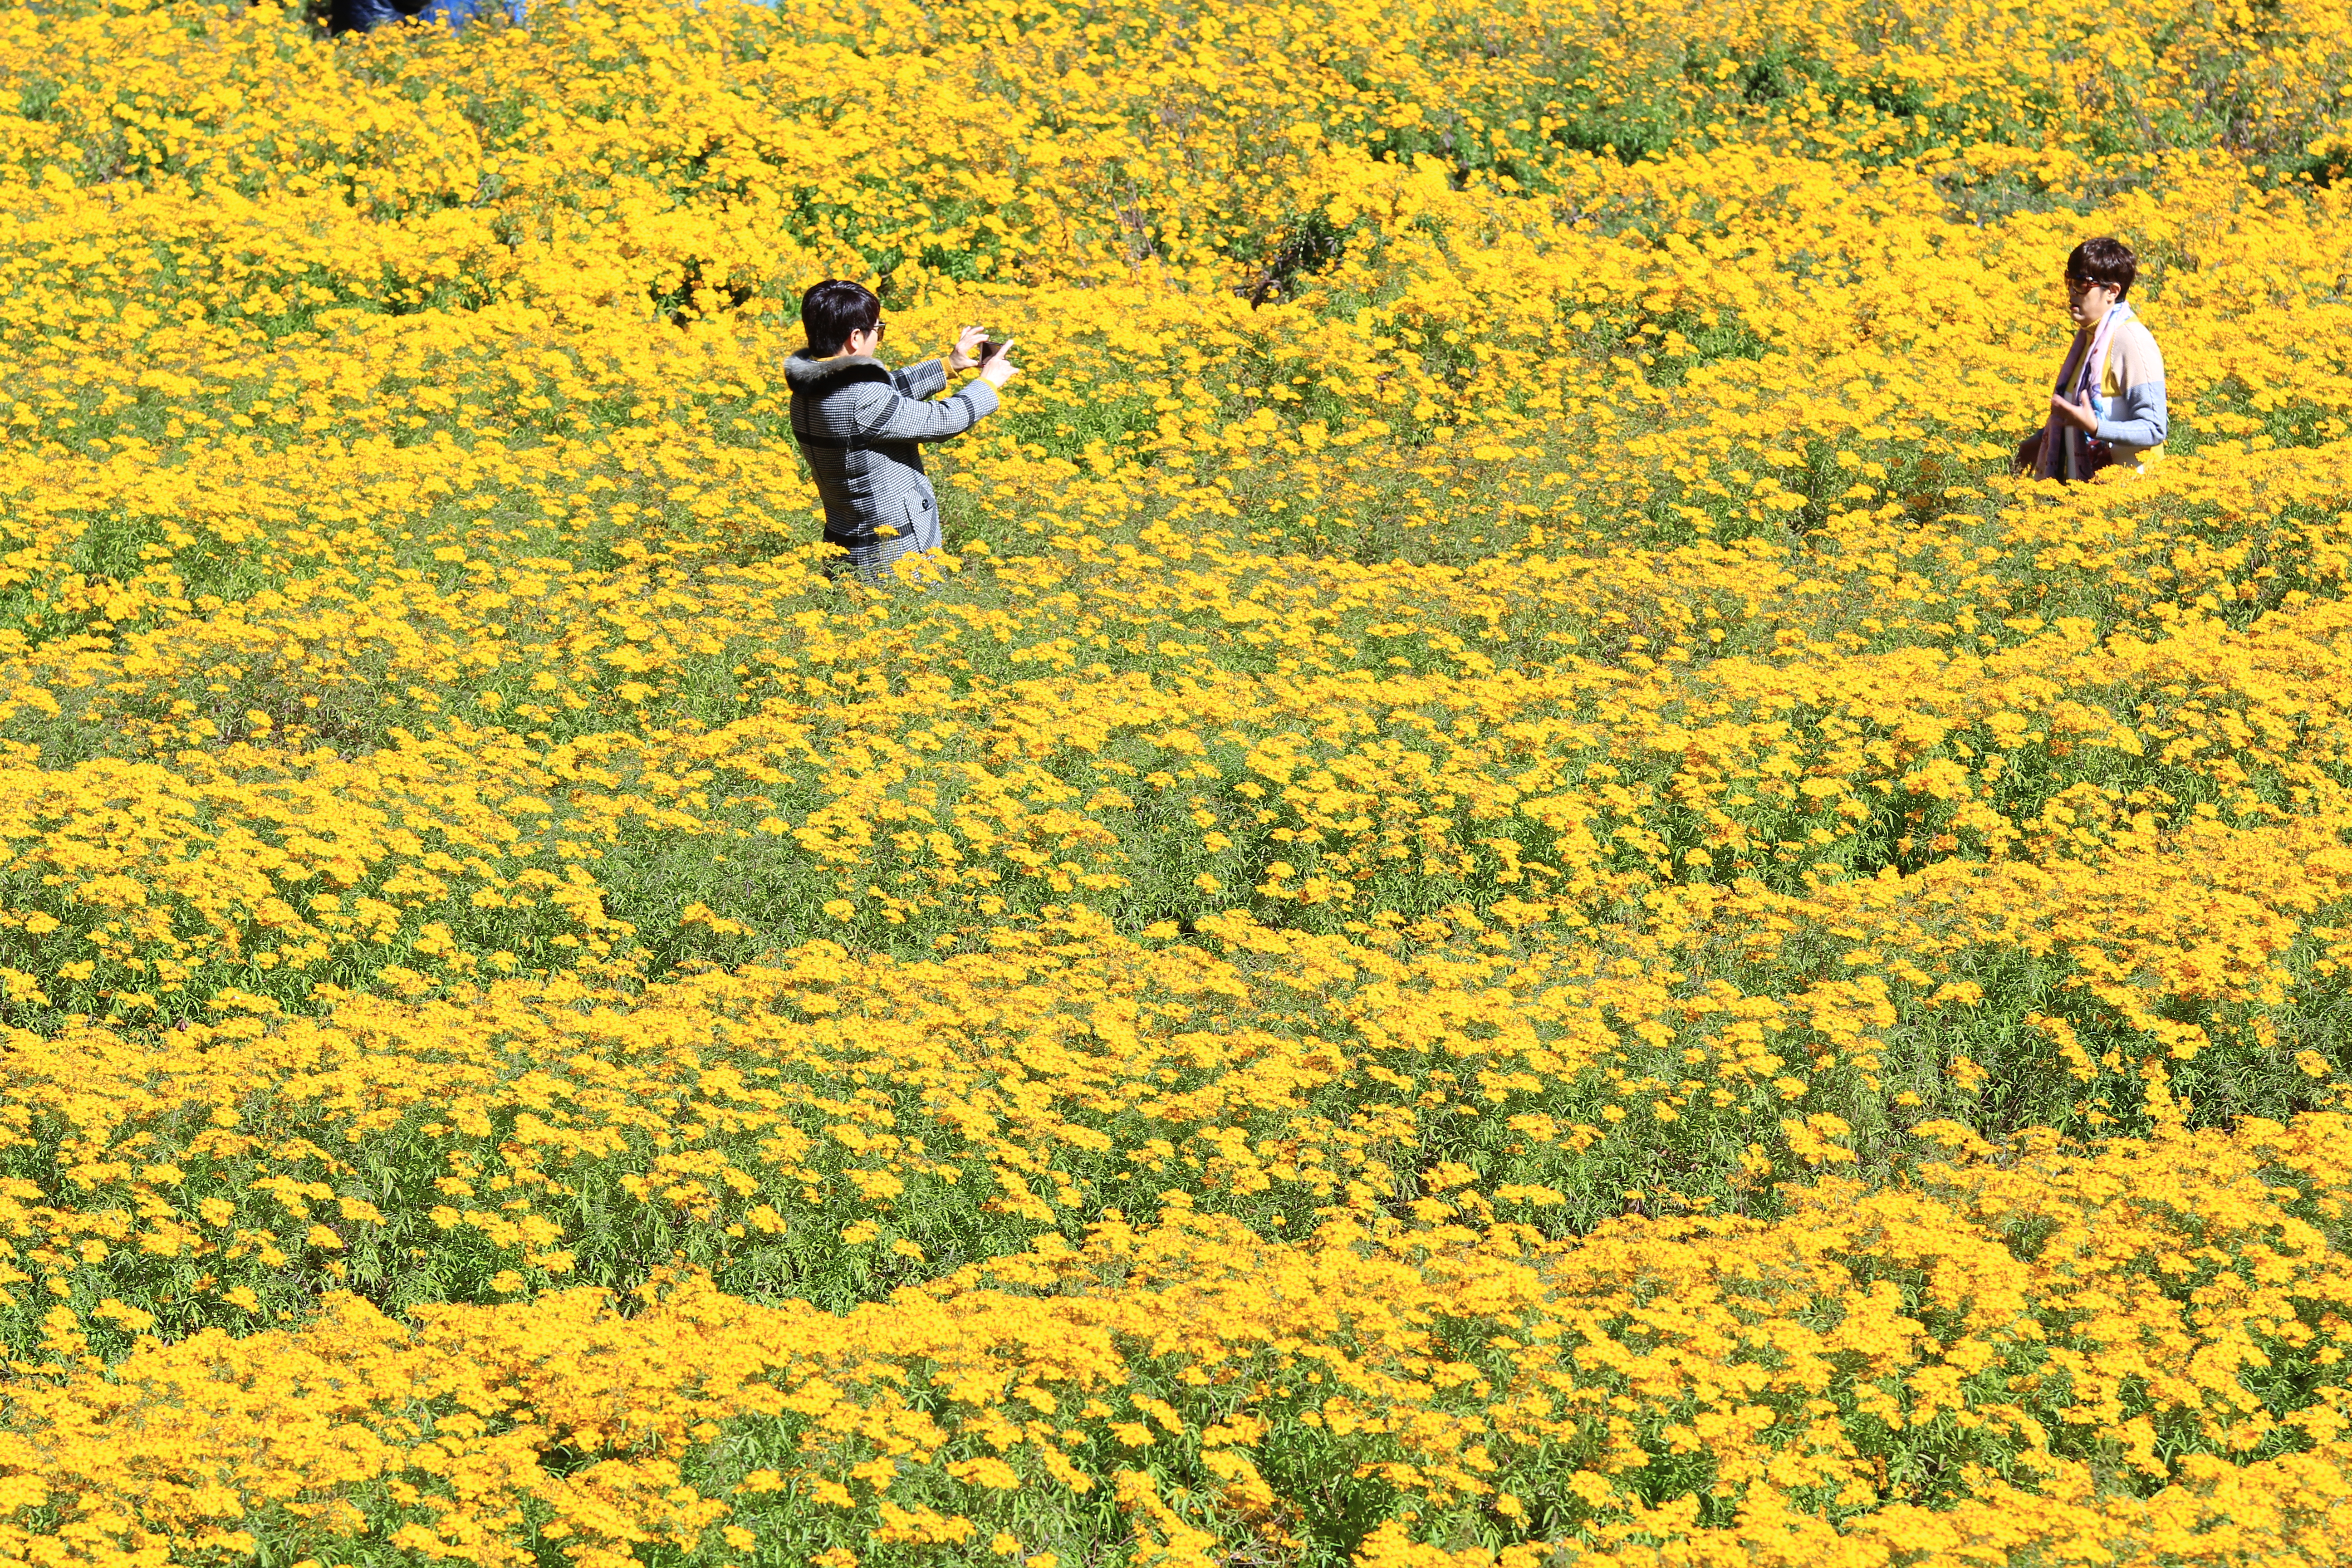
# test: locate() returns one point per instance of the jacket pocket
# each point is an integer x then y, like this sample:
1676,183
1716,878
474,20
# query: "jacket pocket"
922,522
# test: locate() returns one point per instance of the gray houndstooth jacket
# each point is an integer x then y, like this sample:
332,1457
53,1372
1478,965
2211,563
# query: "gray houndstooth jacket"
858,425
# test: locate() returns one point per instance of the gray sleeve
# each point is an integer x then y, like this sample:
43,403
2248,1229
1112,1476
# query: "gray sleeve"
928,379
890,417
2136,417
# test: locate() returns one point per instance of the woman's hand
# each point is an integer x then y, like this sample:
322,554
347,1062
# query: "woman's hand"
964,356
2078,414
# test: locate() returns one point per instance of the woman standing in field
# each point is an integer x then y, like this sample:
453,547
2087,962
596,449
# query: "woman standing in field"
2109,404
860,425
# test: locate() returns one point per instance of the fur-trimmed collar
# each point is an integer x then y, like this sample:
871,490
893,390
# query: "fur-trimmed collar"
805,373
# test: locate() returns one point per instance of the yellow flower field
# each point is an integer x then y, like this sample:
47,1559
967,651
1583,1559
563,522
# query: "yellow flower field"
1512,907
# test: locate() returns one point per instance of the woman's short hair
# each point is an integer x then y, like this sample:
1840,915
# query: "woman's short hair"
2104,261
836,308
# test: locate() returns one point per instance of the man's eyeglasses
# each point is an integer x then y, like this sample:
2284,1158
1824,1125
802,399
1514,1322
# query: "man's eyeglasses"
2084,285
880,328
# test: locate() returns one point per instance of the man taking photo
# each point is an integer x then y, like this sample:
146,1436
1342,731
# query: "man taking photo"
860,425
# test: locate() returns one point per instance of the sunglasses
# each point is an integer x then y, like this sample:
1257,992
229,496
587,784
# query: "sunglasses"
2084,285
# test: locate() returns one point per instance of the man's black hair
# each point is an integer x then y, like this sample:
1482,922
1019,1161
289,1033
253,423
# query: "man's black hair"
833,309
2104,261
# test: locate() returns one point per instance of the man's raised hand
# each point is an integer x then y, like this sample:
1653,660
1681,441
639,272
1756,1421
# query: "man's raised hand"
999,368
966,352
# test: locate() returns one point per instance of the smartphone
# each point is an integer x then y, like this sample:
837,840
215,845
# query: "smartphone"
988,350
